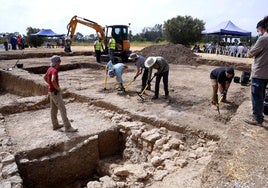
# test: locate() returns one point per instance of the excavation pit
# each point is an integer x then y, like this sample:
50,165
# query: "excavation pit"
72,160
186,116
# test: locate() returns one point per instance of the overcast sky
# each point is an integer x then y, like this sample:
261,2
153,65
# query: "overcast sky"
17,15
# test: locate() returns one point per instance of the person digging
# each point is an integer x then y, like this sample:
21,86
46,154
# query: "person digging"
116,71
161,65
139,63
221,79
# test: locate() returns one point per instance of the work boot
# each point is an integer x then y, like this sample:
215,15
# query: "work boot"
225,101
121,89
252,121
166,97
57,127
154,97
71,129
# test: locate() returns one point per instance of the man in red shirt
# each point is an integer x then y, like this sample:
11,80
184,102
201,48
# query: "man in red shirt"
56,102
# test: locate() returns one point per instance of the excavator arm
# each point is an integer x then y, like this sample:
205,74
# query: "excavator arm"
118,32
71,27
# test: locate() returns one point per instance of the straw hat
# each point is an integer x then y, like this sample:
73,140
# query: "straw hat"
150,61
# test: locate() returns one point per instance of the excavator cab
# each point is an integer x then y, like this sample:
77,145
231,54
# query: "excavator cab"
120,34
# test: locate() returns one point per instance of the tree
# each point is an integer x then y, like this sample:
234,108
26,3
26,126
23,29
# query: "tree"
152,34
34,41
184,30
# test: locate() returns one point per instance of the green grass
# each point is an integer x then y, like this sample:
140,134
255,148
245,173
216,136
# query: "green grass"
145,44
134,43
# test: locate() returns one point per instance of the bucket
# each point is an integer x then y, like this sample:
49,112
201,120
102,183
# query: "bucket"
245,78
236,79
20,65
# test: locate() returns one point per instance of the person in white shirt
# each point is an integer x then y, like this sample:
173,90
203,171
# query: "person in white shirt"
240,50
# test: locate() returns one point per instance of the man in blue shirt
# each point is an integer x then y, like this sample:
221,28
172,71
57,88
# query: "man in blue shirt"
116,71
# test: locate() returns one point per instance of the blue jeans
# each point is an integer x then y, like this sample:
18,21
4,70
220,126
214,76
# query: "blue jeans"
257,97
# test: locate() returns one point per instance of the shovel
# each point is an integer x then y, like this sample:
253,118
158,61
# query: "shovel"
143,91
20,65
129,83
105,79
218,105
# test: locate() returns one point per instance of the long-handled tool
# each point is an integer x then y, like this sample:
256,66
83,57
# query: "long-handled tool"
10,68
143,91
105,79
219,102
129,83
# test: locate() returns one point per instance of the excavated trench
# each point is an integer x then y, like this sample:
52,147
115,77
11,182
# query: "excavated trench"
109,156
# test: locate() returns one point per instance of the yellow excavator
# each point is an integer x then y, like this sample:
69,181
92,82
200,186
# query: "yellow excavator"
118,32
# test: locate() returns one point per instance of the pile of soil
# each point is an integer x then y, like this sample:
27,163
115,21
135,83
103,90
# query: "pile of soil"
174,53
179,54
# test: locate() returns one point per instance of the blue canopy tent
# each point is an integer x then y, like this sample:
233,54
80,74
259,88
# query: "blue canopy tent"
227,30
47,33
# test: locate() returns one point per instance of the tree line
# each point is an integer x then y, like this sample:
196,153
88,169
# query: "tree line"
184,30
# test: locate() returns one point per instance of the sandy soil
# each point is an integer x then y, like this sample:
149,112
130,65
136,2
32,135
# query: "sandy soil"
240,160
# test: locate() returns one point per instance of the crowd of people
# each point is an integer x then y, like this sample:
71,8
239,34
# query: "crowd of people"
16,42
222,48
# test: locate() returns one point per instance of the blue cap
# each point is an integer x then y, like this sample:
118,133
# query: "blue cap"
111,73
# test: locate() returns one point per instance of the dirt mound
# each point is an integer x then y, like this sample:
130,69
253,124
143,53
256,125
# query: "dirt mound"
235,65
174,53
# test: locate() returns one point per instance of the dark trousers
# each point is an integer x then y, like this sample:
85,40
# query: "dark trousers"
165,82
258,87
145,78
98,56
6,46
111,55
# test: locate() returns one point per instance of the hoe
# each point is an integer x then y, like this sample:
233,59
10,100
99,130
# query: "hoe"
143,91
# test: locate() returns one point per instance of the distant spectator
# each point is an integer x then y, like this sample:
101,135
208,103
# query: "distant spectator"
218,49
19,41
196,49
245,50
60,42
232,49
240,50
5,40
14,43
